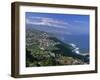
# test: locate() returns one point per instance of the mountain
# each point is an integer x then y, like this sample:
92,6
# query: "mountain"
43,49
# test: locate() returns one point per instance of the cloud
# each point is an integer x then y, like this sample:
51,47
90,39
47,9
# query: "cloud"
47,22
63,32
82,22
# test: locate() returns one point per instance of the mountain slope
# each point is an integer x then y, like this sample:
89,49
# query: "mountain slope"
42,49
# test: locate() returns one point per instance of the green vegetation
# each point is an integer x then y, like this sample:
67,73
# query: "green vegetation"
44,50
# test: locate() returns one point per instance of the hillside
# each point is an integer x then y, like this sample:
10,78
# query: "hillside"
42,49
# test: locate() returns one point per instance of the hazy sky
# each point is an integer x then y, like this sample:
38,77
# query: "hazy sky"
69,24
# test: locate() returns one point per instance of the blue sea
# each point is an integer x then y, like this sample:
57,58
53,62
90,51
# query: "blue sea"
81,41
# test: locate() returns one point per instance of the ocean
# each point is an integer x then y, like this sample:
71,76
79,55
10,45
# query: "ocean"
81,41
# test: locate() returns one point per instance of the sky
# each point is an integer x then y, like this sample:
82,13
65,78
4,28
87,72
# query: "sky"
69,24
